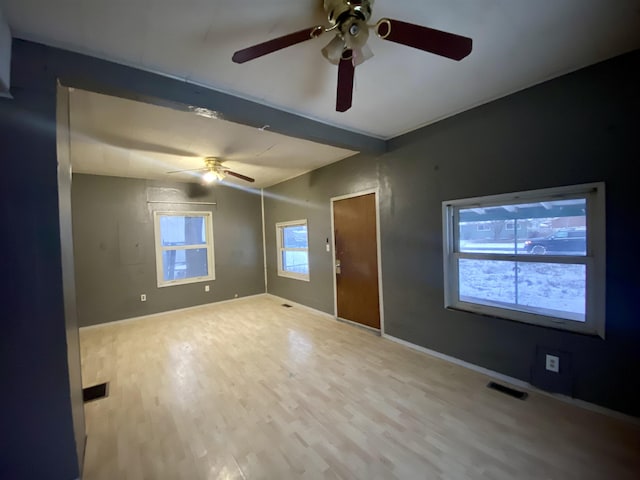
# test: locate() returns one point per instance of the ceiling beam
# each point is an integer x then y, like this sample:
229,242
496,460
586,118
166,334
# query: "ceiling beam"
109,78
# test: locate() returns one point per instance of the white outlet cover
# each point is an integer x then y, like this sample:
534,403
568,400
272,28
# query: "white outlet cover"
553,363
206,288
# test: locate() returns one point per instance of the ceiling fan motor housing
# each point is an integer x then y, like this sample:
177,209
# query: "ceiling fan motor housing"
338,11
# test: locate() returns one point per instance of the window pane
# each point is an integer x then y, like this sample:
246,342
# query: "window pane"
482,281
557,290
181,264
294,236
554,286
182,230
295,262
557,227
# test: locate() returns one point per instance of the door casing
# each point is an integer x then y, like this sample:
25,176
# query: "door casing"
376,193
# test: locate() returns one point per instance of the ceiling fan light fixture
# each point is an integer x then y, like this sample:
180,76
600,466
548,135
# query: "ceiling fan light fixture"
360,55
209,177
333,50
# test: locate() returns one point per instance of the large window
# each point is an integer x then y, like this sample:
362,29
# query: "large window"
184,247
293,249
535,257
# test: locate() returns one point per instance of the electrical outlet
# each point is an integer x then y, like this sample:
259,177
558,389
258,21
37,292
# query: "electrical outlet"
206,288
143,297
553,363
235,296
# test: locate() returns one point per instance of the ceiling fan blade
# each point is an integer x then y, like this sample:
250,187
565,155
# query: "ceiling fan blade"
428,39
190,170
346,73
279,43
240,176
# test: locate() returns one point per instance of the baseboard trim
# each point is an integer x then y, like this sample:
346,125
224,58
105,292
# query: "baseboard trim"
328,316
178,310
516,382
366,328
300,305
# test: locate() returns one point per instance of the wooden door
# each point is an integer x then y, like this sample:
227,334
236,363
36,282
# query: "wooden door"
356,249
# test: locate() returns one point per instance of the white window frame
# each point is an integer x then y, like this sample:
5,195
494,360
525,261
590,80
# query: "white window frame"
160,248
280,249
594,260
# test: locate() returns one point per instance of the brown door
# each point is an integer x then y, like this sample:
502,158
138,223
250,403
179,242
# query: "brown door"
356,249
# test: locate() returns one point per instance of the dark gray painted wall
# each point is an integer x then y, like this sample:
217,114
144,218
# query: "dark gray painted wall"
579,128
111,216
36,422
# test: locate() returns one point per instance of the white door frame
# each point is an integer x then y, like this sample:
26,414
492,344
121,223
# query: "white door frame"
376,193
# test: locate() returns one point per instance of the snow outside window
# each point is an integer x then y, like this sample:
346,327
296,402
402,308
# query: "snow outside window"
538,257
184,247
293,249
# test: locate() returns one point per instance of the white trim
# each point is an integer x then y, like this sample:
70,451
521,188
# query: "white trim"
264,242
300,305
177,310
159,249
359,325
280,250
328,316
376,194
516,382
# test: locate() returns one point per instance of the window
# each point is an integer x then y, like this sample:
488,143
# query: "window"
184,247
293,249
541,262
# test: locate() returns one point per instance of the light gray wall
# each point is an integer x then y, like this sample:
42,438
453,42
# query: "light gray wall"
579,128
115,253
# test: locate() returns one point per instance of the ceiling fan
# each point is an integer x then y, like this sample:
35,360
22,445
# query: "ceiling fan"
215,170
349,46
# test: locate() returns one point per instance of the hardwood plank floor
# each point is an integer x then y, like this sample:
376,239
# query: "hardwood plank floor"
252,390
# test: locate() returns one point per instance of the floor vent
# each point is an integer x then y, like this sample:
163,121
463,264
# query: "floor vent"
95,392
509,391
286,305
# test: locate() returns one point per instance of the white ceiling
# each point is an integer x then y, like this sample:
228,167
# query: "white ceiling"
517,43
124,138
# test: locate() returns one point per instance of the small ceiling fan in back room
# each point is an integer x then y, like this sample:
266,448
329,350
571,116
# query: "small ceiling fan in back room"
348,19
215,170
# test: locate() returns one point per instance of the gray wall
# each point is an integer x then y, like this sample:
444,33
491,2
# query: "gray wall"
36,417
579,128
115,253
307,197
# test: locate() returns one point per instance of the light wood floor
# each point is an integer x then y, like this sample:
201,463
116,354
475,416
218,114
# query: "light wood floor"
252,390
